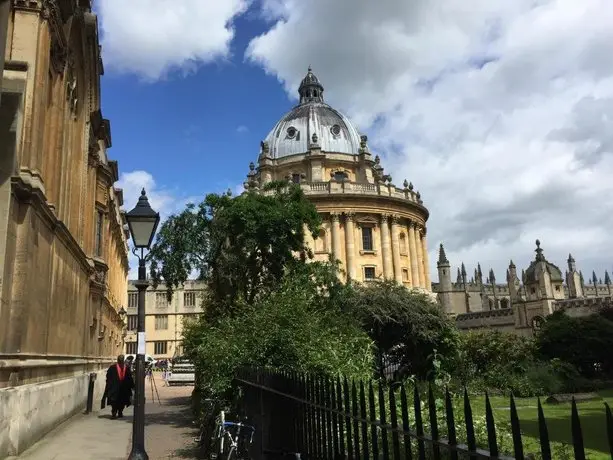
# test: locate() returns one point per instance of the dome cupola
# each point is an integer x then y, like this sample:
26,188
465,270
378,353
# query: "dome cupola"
312,123
310,89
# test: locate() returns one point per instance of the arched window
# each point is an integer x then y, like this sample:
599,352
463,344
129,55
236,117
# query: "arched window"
320,241
403,244
504,303
340,176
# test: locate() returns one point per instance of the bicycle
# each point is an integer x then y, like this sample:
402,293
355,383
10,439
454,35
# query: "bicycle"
237,447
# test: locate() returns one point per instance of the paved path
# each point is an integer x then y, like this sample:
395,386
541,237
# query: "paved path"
169,432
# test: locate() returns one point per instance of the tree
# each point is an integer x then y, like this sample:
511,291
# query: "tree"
407,327
240,245
584,342
298,326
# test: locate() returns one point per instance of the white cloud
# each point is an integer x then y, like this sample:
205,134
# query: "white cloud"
242,129
164,200
152,37
499,112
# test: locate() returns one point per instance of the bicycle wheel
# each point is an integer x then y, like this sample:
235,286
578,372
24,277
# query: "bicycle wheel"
232,454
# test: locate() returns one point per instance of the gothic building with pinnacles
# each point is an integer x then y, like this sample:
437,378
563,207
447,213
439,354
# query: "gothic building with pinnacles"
520,304
375,229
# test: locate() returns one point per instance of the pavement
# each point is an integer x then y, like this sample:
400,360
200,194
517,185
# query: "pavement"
169,431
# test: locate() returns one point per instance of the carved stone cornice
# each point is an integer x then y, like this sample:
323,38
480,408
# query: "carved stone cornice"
98,278
335,216
395,219
27,194
350,216
385,218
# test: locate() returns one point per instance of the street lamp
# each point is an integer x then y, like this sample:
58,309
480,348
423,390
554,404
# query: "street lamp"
143,222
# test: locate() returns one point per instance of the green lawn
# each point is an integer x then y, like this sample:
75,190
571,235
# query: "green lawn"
591,414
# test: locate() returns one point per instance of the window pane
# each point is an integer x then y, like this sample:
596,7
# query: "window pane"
369,273
367,239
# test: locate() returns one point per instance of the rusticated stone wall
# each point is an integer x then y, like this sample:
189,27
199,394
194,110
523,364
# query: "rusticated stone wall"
63,246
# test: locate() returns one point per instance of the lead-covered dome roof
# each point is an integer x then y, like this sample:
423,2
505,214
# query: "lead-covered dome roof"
312,122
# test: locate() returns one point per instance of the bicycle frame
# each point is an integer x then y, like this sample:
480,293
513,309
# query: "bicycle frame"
223,432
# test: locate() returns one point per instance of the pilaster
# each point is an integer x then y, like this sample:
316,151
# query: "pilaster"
388,269
424,246
350,245
336,235
414,255
396,249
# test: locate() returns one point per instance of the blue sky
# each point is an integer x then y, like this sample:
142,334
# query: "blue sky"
197,133
507,138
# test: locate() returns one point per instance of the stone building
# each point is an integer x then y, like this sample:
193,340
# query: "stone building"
376,230
163,319
523,301
63,246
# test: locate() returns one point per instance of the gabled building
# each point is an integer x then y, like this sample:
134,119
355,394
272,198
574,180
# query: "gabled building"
63,246
519,305
374,228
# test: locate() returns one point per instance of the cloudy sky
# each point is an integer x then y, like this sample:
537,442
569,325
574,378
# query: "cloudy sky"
501,113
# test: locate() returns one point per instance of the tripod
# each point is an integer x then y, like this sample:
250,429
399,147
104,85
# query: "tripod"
153,385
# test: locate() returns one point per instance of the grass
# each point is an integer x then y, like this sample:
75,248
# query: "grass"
591,414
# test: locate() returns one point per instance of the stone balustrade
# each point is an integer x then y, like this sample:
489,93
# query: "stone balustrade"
360,188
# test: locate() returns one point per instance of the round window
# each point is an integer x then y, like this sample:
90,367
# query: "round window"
336,130
291,132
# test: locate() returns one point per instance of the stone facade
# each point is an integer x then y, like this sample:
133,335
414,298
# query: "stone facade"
163,319
519,306
375,229
63,240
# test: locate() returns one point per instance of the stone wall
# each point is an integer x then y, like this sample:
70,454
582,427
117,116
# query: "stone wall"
31,411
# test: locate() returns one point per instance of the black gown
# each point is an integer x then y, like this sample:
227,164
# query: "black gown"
118,393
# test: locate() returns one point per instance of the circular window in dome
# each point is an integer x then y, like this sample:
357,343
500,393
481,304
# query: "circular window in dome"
336,130
291,132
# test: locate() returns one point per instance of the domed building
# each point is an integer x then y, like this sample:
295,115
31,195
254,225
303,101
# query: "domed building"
376,230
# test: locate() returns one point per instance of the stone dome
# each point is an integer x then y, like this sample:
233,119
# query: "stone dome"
312,122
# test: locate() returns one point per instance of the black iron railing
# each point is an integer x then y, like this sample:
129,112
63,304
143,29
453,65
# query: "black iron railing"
323,418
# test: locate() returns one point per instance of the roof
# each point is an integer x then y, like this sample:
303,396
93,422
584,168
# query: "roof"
312,122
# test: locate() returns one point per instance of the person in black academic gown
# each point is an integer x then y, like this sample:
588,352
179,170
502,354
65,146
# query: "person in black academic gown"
119,385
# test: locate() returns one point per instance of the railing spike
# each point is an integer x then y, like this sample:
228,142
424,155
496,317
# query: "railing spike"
451,431
543,433
491,427
518,447
575,426
419,426
408,450
436,451
470,426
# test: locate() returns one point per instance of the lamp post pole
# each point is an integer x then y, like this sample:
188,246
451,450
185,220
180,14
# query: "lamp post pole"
138,425
143,222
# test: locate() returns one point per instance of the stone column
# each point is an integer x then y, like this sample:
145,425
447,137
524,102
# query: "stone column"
420,257
350,245
388,269
396,249
413,256
336,235
4,25
424,246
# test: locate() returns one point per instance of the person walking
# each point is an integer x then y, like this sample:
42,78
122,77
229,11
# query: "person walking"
119,386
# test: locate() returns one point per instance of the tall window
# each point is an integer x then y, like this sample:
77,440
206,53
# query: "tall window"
296,178
160,348
160,300
99,227
340,176
367,239
405,274
130,348
161,322
189,299
320,241
369,273
132,322
403,244
133,300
